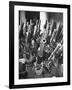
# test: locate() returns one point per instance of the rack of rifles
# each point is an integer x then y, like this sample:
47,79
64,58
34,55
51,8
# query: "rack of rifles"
42,49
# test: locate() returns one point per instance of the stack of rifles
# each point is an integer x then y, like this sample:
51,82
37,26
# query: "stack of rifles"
41,49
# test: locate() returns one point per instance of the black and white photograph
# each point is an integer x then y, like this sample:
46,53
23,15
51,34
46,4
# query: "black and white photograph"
39,42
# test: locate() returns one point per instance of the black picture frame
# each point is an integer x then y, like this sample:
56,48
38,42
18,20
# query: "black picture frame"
11,44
